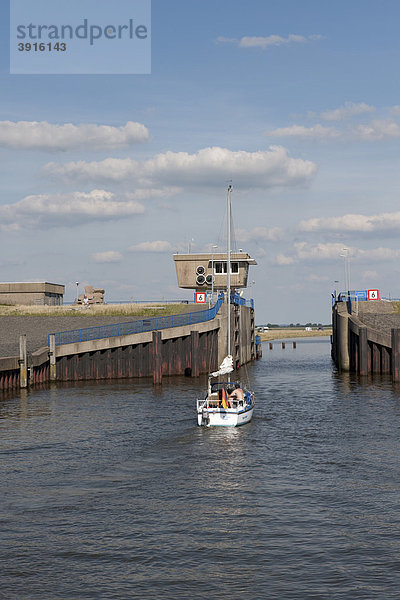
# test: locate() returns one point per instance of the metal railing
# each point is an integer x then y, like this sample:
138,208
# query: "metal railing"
240,301
140,326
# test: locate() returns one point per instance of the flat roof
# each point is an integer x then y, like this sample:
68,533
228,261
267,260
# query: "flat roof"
31,286
236,256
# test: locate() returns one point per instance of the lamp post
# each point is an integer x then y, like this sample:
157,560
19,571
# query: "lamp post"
77,291
345,256
336,284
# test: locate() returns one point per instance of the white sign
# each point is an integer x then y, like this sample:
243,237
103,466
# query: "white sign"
200,297
373,294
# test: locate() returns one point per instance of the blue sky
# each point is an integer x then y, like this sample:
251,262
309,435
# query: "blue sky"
105,176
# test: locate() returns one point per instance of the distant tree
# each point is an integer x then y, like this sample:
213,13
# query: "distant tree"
298,325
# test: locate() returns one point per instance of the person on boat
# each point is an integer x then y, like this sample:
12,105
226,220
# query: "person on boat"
237,393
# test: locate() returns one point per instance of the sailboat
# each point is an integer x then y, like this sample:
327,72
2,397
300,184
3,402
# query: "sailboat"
227,403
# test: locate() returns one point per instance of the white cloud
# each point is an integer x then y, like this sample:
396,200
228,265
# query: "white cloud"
283,260
318,278
356,223
35,135
302,251
349,109
314,132
271,234
110,256
206,168
305,252
156,246
268,41
152,193
377,255
377,130
74,208
369,274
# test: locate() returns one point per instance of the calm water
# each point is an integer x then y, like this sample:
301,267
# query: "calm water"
111,491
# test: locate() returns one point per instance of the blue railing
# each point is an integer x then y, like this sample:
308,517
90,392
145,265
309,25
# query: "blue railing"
239,301
140,326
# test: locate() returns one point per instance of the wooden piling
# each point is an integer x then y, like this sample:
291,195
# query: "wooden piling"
283,345
194,338
294,345
395,354
363,351
270,346
385,360
157,358
376,358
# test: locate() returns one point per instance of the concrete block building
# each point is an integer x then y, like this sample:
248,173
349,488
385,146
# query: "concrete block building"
32,293
197,271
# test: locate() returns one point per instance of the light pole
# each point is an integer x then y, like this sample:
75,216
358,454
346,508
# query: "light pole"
250,286
336,284
77,291
345,256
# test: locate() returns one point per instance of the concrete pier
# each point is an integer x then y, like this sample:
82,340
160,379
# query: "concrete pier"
366,343
190,350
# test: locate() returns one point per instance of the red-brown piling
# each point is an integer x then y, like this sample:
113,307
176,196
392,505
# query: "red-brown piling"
157,358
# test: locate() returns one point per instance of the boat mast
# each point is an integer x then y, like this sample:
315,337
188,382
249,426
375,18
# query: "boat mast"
228,270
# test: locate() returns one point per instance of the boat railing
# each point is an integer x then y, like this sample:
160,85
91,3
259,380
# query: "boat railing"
140,326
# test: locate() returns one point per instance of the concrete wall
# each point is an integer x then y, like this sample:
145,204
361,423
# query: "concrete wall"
361,349
187,350
242,335
31,293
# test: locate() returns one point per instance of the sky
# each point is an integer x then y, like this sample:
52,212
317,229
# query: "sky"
104,177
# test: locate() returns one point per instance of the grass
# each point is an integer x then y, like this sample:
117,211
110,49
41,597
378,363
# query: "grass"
286,332
96,310
396,307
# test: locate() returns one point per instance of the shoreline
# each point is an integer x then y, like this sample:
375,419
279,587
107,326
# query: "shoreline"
286,333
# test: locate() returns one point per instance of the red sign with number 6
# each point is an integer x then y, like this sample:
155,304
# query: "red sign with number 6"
200,297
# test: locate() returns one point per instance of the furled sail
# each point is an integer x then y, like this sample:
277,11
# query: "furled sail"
225,367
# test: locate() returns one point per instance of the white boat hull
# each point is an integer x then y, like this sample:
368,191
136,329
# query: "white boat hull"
220,417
